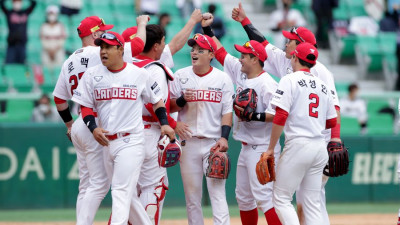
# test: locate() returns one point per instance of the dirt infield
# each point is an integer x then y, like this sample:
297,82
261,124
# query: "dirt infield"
353,219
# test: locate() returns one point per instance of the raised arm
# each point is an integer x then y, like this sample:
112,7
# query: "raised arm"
31,7
3,7
239,15
179,40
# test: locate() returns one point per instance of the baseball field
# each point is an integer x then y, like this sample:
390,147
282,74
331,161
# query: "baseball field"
340,214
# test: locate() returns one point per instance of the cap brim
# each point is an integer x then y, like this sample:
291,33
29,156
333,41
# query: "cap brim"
99,40
288,35
106,27
242,49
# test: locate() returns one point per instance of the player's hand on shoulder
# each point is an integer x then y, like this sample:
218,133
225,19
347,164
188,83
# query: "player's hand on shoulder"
196,16
143,19
207,20
167,130
99,135
183,130
221,145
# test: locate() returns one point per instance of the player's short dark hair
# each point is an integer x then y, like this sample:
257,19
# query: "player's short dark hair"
154,34
259,61
212,8
307,64
352,87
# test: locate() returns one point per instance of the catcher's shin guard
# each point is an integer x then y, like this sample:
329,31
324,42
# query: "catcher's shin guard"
153,209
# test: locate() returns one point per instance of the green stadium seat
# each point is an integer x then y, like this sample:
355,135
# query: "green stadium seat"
370,50
355,7
341,12
270,3
380,124
373,106
18,111
348,46
388,42
170,7
18,76
349,126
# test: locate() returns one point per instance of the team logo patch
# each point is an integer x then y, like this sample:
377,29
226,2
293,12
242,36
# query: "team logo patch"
279,92
154,86
183,80
98,78
254,147
243,76
126,140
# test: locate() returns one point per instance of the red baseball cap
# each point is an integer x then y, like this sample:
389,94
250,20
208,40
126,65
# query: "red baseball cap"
300,34
253,47
129,33
111,38
304,50
92,24
203,41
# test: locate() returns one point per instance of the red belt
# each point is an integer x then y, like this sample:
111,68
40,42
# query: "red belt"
149,119
115,136
147,126
244,143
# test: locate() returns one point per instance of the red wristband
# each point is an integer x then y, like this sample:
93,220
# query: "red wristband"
245,22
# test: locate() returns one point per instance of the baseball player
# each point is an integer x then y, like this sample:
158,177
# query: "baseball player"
93,185
278,64
117,91
247,72
304,155
176,44
153,180
203,96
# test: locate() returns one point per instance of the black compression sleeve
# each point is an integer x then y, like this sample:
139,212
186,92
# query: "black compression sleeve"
161,114
225,130
181,102
208,31
65,115
253,33
90,122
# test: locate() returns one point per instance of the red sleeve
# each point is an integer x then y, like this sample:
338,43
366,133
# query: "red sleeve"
331,123
137,46
280,117
171,121
265,43
59,100
335,131
86,111
246,21
220,55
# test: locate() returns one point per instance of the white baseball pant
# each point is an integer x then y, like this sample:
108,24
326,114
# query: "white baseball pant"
249,192
93,181
151,189
125,158
194,163
300,165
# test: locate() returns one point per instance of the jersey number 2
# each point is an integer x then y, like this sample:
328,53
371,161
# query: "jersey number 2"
313,105
73,80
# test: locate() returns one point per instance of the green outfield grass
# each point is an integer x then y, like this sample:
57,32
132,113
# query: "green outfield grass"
46,215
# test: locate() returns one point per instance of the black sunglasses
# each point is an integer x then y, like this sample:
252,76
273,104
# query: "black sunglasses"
110,36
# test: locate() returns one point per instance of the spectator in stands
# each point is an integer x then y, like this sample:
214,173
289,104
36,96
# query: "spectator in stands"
352,106
52,35
323,10
163,20
17,19
283,19
218,25
148,7
186,7
44,111
70,7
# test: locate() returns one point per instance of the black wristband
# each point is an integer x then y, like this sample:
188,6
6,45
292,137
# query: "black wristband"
225,130
65,115
258,117
208,31
161,114
181,102
90,122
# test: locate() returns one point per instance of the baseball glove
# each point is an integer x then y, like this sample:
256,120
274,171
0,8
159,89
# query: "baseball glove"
247,100
168,152
219,164
265,169
338,162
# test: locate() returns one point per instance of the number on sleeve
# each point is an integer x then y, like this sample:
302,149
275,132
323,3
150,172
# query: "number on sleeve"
313,105
73,80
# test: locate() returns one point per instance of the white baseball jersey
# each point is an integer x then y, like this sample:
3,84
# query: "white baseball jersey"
166,56
277,64
213,99
73,69
265,86
309,103
118,97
